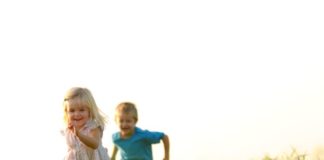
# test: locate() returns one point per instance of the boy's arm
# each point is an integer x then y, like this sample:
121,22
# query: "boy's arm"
166,144
115,149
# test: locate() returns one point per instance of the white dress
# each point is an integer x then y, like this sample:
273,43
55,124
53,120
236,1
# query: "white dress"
79,151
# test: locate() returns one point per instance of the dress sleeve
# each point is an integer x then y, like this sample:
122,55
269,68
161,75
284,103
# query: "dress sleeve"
91,125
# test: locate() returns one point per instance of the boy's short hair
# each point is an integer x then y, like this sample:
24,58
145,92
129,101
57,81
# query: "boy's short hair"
126,108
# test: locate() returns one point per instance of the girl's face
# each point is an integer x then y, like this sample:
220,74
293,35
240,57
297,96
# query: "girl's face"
78,115
126,123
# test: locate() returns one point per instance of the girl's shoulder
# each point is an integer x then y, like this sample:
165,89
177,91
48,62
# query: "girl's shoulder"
91,124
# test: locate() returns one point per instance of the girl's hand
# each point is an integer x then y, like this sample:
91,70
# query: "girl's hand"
72,126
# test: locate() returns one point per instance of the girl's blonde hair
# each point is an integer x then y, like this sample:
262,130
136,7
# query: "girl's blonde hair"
126,108
82,97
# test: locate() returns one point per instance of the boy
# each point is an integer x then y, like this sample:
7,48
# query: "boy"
133,142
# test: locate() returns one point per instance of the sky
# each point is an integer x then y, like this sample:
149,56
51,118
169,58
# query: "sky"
224,79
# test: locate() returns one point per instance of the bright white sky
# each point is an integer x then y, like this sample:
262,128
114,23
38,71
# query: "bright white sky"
225,80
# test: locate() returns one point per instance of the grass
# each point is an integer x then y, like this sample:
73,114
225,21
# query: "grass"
293,155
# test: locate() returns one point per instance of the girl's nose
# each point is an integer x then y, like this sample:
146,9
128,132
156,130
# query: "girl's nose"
76,113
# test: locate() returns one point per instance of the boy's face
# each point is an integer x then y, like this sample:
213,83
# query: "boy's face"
126,123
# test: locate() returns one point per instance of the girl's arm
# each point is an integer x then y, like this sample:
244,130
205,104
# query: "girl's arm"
92,140
166,144
115,149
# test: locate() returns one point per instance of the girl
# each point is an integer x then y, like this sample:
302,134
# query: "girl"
84,126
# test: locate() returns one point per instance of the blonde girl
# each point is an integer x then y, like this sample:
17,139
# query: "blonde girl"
84,126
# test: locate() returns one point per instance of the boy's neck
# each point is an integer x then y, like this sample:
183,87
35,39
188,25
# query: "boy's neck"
125,136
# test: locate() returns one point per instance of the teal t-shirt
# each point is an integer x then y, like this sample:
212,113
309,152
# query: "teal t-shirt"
138,146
